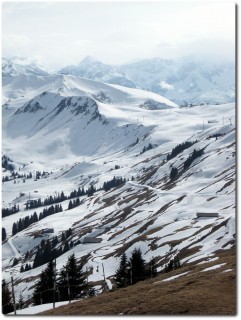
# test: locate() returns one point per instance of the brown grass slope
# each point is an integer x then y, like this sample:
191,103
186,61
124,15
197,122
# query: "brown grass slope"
196,293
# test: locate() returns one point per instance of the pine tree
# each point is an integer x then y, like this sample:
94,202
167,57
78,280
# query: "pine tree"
137,266
62,284
4,234
7,305
121,275
173,173
20,301
70,206
151,270
14,229
76,276
43,292
76,279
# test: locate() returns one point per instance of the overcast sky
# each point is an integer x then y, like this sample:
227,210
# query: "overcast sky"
63,33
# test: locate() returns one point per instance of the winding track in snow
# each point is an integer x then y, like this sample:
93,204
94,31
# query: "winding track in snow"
17,254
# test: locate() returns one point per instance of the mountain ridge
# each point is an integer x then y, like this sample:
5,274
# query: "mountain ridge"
186,80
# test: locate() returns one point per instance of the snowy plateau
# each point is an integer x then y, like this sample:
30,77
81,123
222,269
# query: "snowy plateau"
82,133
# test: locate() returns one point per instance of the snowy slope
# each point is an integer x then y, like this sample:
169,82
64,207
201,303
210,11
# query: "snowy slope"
185,80
85,132
93,69
17,66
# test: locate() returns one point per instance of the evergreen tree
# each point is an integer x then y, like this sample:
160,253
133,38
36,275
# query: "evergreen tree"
70,206
14,229
43,292
121,275
173,264
4,234
151,270
20,302
173,173
137,266
15,262
73,273
7,305
76,276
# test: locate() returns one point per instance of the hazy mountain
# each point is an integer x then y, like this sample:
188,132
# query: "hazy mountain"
17,66
186,80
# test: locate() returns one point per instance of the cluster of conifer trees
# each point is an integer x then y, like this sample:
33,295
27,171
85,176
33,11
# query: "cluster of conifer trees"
216,135
149,147
195,154
24,223
49,250
16,175
115,182
70,283
179,148
9,211
32,204
7,304
134,270
5,163
192,157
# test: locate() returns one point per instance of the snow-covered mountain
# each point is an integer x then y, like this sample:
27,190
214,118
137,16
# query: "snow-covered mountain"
186,80
17,66
93,69
83,133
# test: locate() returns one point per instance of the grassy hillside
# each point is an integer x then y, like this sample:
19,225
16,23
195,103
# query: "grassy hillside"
197,292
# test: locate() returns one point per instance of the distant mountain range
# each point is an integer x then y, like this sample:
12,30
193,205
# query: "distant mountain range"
184,81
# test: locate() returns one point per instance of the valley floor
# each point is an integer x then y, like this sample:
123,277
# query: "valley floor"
206,288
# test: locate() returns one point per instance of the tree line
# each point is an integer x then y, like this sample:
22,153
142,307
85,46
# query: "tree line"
134,270
24,223
186,164
67,284
179,148
6,163
137,269
16,175
49,250
9,211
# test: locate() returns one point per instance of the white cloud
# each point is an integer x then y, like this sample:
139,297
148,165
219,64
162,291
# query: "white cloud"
165,85
116,32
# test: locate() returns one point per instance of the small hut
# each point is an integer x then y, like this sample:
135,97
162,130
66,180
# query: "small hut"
207,214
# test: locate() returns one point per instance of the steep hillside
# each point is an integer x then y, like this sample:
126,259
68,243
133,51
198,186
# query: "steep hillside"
67,133
207,288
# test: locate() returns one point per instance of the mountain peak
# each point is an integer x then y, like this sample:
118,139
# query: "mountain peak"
19,65
88,60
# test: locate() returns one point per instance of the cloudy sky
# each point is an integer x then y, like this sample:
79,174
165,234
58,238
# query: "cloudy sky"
62,33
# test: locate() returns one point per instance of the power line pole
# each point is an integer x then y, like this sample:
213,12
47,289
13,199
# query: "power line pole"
87,280
54,283
131,274
105,285
13,295
68,286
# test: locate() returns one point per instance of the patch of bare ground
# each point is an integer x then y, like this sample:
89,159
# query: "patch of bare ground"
195,293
